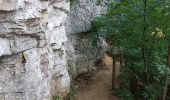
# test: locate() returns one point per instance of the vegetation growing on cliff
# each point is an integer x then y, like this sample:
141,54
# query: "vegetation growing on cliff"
72,2
140,29
70,96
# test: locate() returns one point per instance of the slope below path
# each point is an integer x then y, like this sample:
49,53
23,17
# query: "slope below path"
101,88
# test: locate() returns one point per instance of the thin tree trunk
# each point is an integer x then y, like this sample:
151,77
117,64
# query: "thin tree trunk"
121,62
166,78
143,40
165,88
114,73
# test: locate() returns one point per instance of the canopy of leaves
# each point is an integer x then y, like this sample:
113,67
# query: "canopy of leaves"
141,30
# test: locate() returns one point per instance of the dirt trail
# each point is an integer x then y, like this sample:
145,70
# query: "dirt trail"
101,89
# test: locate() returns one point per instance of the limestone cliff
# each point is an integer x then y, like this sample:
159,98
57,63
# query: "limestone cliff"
32,53
81,55
39,41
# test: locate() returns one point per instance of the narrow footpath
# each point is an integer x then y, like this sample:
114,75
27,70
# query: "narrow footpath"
101,88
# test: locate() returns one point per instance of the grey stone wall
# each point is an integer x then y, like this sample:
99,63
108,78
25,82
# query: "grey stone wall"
32,55
40,40
81,55
81,14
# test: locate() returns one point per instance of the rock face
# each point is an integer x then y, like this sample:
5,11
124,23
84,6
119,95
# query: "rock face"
81,54
32,53
81,14
39,41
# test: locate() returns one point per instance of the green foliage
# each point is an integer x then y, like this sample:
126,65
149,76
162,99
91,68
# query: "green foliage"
72,93
57,98
125,94
43,0
141,30
70,96
72,2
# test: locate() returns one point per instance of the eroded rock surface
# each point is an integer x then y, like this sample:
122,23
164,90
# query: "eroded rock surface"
81,53
32,54
40,40
81,14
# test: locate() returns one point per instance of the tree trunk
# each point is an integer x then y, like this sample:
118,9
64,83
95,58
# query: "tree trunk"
113,72
165,88
166,78
121,61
